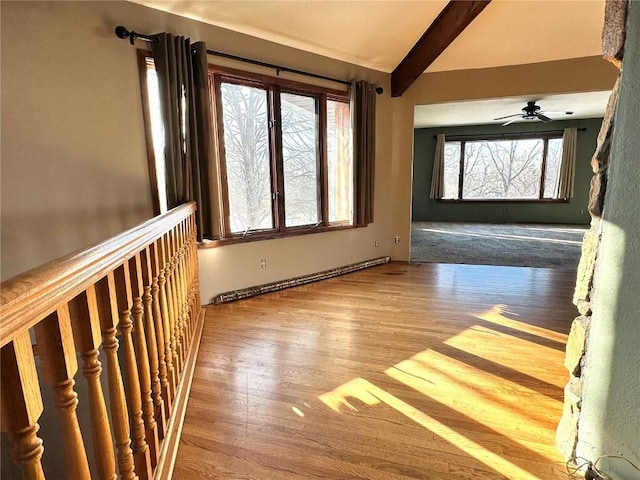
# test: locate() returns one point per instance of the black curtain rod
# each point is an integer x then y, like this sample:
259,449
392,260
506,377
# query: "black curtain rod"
480,136
122,32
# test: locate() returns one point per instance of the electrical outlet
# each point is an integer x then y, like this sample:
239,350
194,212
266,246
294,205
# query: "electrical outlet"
396,239
263,263
377,244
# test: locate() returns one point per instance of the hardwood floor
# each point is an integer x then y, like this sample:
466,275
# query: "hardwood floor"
424,371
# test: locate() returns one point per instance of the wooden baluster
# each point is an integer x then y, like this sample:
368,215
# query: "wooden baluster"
186,262
59,365
155,343
188,259
184,321
142,357
141,456
161,311
108,314
86,333
173,295
21,404
179,293
171,300
189,273
167,319
182,296
194,262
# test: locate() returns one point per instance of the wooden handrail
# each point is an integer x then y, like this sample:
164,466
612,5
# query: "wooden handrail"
28,297
135,298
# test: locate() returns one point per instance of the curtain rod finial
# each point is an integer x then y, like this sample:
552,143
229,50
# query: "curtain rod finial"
379,90
122,32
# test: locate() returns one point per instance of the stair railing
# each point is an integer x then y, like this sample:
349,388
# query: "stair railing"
133,301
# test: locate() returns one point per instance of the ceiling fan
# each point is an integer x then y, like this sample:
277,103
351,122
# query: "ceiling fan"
531,111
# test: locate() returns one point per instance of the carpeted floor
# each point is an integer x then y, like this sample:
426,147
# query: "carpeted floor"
522,245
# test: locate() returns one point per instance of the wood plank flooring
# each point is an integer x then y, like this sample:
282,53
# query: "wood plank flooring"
424,371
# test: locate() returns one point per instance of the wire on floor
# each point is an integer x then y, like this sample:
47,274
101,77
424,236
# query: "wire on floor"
574,469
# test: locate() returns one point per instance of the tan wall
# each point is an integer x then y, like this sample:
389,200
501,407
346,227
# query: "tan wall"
72,146
587,74
74,168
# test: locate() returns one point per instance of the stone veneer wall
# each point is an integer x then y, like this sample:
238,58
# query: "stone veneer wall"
613,38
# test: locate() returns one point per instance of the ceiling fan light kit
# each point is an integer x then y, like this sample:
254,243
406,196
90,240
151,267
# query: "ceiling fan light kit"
531,111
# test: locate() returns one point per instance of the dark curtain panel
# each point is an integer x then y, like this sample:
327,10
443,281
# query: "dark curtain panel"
186,114
363,106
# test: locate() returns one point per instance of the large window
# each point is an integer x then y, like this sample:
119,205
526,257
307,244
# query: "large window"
285,158
285,154
502,169
245,121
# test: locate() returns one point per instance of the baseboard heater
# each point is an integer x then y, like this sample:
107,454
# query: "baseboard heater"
297,281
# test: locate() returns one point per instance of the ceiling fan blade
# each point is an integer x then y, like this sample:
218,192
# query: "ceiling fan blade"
510,121
544,118
556,113
509,116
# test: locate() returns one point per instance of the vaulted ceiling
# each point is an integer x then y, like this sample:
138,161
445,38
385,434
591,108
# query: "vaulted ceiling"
379,33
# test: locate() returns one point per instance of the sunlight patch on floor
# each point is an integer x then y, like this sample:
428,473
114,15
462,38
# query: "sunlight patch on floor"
536,361
487,399
370,394
495,315
497,380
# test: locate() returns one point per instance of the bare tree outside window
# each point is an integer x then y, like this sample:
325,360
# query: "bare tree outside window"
502,169
451,170
339,164
246,132
509,169
285,155
247,160
300,159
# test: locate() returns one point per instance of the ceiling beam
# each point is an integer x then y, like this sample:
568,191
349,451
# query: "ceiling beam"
450,23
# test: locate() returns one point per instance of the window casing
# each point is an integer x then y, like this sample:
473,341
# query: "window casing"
285,155
522,168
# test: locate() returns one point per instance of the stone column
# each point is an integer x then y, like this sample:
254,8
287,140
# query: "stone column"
613,38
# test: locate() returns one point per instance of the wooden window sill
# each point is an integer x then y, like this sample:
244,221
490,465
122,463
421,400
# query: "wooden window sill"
260,236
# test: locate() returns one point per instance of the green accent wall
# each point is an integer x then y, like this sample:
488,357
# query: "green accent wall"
575,211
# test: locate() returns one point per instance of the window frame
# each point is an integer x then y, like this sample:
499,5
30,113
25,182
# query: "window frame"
544,136
275,86
323,94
